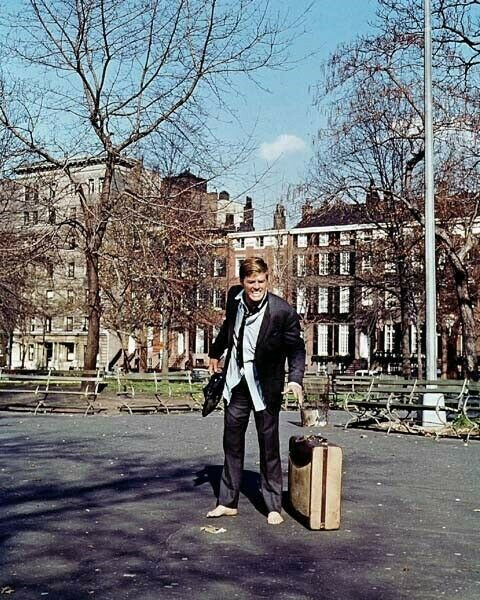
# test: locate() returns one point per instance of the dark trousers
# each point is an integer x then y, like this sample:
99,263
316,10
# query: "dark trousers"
237,415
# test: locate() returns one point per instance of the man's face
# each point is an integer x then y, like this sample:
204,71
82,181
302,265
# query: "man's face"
255,286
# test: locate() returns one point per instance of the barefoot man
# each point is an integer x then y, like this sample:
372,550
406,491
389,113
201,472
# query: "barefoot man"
261,333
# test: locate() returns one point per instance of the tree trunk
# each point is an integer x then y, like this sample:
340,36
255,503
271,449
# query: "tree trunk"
94,312
142,350
419,352
165,353
124,351
405,321
405,344
96,217
468,322
10,349
444,356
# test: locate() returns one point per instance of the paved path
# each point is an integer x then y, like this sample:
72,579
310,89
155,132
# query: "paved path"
112,508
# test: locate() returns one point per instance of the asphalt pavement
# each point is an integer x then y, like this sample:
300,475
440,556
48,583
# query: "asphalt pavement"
112,508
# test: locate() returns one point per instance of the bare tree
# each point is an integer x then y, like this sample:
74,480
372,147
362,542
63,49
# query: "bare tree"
375,129
117,75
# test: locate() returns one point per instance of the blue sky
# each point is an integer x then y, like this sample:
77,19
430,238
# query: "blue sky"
284,117
279,119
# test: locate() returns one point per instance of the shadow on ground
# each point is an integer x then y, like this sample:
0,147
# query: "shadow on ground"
113,509
79,520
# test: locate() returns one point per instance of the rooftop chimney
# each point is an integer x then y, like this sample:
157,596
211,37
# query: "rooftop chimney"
279,219
372,199
247,224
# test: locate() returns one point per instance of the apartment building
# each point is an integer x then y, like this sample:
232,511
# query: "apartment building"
313,266
336,267
48,203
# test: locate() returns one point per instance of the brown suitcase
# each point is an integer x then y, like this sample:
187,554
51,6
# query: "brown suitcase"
315,480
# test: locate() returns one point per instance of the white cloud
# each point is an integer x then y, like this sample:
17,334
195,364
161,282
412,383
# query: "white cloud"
283,144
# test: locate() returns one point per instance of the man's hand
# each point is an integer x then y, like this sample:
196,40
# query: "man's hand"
213,366
296,390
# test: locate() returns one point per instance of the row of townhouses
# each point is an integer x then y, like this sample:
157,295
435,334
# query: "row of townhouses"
322,265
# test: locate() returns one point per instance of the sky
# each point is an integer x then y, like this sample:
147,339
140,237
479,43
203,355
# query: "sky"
281,113
278,119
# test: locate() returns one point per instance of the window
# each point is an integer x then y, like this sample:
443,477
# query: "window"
345,238
32,324
85,324
52,215
260,241
71,270
388,337
322,300
413,339
31,352
323,239
199,340
301,267
240,242
238,264
49,295
323,264
301,301
302,240
70,351
69,322
343,339
91,186
34,217
365,236
219,267
48,324
52,192
72,241
26,218
101,181
201,268
344,263
180,342
219,299
367,299
344,299
390,300
31,194
70,296
366,262
322,333
389,265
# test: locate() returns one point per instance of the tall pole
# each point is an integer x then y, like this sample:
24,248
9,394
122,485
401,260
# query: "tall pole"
430,418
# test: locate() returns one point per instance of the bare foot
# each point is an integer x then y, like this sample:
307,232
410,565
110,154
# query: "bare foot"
274,518
222,511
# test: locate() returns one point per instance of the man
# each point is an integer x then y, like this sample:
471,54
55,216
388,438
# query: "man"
260,332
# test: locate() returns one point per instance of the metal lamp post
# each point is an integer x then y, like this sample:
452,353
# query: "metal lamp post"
431,418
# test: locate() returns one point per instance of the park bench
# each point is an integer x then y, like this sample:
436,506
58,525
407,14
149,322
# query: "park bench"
397,401
51,390
165,392
316,395
346,387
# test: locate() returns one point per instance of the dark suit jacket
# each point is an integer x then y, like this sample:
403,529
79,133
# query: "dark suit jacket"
278,340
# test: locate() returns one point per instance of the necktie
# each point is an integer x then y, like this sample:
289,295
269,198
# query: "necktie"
241,332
